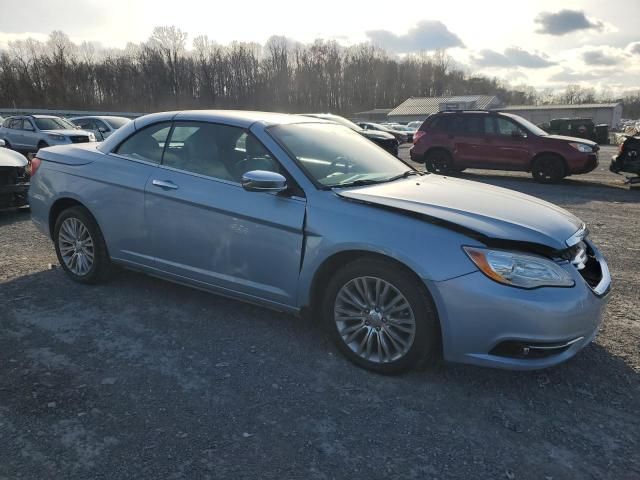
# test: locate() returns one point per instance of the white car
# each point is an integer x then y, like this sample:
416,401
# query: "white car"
14,178
102,126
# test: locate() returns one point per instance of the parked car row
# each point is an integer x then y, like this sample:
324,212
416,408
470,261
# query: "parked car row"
304,214
383,138
30,133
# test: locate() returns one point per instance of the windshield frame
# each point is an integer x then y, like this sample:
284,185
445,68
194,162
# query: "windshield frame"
305,171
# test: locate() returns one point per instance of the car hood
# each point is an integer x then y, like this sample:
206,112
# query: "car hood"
492,212
67,132
11,158
377,134
572,139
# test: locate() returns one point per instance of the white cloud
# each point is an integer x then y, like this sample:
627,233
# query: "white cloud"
426,35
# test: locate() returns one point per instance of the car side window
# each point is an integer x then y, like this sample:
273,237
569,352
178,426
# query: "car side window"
16,124
489,126
27,125
146,144
474,125
218,151
507,127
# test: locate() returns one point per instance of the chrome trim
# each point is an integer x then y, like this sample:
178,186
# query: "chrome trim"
164,184
555,346
577,237
605,283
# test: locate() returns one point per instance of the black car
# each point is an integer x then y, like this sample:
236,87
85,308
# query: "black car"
383,139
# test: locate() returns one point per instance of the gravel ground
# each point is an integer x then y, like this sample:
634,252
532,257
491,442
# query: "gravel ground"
140,378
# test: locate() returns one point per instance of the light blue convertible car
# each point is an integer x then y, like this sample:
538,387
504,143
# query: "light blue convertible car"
304,215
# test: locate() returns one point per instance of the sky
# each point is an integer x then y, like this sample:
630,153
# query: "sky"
546,44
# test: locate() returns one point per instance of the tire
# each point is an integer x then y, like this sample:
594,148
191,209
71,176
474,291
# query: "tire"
8,145
369,330
548,169
42,144
95,270
439,161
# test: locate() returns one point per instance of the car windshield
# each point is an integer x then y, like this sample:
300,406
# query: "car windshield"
116,122
53,123
536,130
335,156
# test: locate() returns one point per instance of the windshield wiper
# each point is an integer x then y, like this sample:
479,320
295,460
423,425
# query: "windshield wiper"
368,181
405,174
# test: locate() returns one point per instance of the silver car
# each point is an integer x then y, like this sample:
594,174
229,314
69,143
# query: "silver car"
102,126
30,133
304,215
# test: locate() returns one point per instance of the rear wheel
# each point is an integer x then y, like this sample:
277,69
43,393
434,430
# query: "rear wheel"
548,169
379,318
80,246
439,161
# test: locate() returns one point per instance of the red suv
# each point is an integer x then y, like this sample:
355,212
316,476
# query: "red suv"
449,142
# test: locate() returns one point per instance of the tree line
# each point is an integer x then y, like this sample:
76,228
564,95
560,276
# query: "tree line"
162,74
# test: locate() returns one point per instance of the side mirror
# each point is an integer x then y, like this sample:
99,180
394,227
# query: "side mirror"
263,181
102,129
2,144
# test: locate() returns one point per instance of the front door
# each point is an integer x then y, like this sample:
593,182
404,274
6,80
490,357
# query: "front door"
207,229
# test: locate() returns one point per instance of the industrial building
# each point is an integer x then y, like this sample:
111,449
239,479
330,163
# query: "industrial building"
419,108
609,113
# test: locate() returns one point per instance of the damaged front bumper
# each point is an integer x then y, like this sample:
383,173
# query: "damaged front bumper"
14,196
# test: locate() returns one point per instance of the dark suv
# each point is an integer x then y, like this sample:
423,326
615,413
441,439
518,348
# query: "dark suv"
449,142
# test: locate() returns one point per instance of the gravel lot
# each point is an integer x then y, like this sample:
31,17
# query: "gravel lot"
140,378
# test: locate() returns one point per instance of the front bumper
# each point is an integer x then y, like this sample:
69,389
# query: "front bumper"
588,165
14,195
479,317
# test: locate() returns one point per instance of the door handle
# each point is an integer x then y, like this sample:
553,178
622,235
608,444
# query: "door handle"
167,185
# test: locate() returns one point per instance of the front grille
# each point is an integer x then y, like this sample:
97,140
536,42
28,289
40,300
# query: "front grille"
79,138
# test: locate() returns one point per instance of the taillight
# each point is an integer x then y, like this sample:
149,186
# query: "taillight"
417,136
32,168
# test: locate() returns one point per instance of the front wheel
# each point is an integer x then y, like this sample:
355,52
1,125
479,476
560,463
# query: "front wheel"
80,246
379,317
440,162
42,144
548,169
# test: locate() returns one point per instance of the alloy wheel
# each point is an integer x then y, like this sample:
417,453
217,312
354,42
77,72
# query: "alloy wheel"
76,246
374,319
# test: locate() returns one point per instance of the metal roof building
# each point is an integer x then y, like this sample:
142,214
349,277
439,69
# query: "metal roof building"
419,108
609,113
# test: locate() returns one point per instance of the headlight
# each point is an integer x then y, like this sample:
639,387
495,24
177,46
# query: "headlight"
519,269
582,147
55,136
